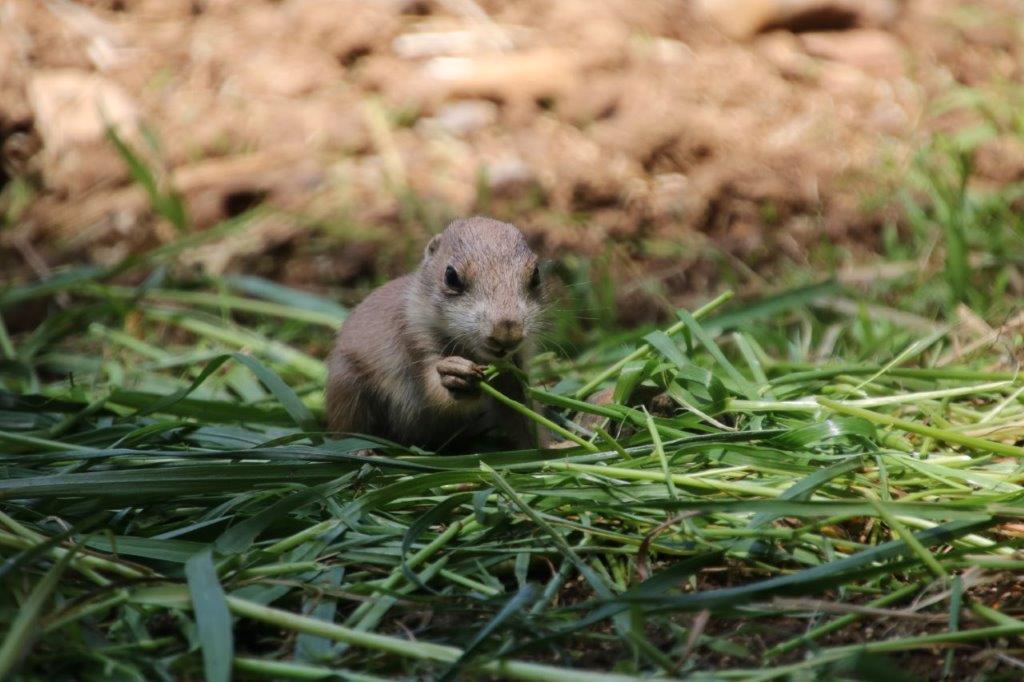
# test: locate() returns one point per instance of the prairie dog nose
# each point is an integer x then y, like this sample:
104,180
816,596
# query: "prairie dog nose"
505,335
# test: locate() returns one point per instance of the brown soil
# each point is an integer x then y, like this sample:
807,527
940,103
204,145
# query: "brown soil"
675,132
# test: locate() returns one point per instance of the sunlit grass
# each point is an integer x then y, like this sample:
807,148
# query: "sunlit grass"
171,506
780,484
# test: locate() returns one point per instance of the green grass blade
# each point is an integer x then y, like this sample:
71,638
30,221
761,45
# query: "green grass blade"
25,628
519,602
946,435
213,620
287,296
282,391
240,537
709,343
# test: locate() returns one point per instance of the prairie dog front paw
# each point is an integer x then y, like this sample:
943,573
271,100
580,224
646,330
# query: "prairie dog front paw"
459,375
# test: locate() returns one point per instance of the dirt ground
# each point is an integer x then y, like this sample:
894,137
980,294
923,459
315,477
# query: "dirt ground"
675,132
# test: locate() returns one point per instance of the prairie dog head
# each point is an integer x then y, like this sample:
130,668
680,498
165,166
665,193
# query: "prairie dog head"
481,289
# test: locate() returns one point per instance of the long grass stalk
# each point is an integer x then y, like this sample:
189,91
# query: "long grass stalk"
281,670
536,417
520,670
398,574
842,621
677,479
644,349
223,301
945,435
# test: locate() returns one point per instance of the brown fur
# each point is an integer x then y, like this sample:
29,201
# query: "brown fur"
406,361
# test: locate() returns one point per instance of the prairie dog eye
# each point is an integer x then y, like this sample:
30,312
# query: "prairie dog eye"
535,277
453,281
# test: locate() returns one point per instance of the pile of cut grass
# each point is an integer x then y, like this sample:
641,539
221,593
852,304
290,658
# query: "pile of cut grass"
171,508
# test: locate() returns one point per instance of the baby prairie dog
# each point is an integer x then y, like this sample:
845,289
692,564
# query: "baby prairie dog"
407,362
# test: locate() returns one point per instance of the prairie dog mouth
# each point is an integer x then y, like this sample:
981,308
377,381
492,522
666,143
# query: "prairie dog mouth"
499,352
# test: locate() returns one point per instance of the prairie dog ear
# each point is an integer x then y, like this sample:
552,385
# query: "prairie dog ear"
432,246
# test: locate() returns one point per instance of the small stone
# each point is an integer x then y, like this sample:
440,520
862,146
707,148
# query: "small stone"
869,50
509,175
668,195
463,117
1000,160
739,19
783,50
889,118
73,107
520,77
287,71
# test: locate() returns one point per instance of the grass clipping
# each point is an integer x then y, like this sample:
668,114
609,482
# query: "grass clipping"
175,511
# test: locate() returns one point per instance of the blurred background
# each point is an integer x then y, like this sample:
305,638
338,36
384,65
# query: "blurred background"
657,149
